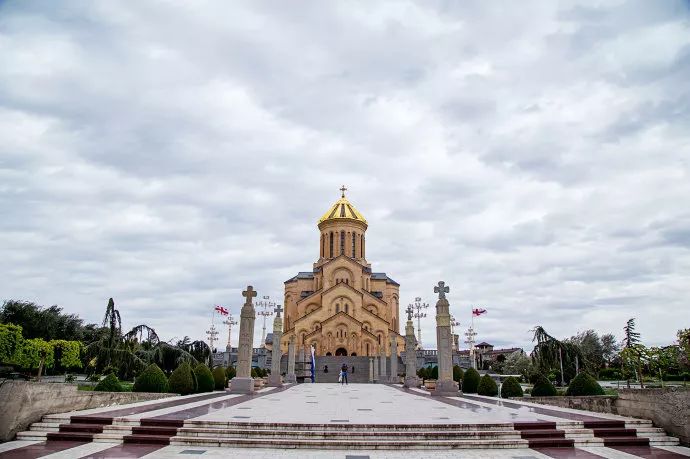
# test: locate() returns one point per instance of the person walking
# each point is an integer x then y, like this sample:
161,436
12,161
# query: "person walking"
343,374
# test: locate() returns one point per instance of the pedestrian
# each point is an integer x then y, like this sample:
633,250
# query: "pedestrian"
325,368
353,368
343,374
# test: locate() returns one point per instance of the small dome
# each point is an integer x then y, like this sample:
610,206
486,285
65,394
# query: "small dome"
343,210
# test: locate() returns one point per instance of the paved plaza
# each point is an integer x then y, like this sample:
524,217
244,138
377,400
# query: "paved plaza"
334,421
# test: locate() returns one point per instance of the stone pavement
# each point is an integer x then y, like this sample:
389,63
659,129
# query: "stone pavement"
329,420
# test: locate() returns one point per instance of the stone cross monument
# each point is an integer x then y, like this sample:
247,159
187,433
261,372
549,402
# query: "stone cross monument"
411,378
382,362
394,360
445,385
274,379
291,378
243,383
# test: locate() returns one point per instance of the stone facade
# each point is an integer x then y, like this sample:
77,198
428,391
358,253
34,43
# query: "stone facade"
341,307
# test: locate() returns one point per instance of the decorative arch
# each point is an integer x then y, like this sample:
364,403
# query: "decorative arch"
342,275
311,308
372,309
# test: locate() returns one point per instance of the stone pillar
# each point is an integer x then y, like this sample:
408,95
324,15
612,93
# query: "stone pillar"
376,368
371,369
291,378
243,383
411,378
382,361
394,359
274,379
445,386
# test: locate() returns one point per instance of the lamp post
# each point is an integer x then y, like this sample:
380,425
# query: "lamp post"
453,323
265,309
212,335
419,306
229,322
470,334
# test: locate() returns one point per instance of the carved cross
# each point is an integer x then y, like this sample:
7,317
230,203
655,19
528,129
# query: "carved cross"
343,190
409,311
441,289
278,310
249,294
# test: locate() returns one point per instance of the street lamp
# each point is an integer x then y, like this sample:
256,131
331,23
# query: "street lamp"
212,335
419,306
229,322
453,323
470,334
266,310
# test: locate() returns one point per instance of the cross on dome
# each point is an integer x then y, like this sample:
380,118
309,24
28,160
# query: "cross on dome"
441,289
342,191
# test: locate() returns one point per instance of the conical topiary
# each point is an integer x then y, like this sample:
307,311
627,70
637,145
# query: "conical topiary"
584,384
230,372
152,379
182,381
204,378
219,378
511,388
457,373
470,381
543,387
109,384
487,386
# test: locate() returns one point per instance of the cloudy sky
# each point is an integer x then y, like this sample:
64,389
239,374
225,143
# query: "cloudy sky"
534,155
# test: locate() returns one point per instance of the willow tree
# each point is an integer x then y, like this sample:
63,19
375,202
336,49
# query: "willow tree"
550,352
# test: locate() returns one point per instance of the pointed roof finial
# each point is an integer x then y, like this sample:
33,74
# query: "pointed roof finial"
343,190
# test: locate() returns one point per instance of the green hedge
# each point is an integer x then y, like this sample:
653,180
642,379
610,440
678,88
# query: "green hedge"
109,384
457,373
487,386
152,379
204,378
182,381
470,381
433,374
219,378
230,372
511,388
584,384
543,387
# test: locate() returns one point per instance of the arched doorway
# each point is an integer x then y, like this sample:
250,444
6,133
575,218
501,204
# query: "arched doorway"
354,354
341,351
328,353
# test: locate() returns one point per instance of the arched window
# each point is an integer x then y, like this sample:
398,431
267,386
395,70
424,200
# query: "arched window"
342,242
323,245
331,255
337,308
363,246
367,348
347,309
354,238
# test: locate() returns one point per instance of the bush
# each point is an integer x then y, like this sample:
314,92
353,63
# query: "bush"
152,379
109,384
511,388
422,373
204,378
457,373
470,381
543,387
584,384
487,386
219,378
433,374
230,372
182,381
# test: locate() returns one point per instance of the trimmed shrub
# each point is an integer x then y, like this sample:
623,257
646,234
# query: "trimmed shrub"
470,381
511,388
543,387
109,384
487,386
584,384
457,373
254,373
219,378
152,379
182,381
422,373
204,378
230,372
433,374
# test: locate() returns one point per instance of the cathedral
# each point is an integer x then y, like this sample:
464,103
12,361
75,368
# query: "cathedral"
341,307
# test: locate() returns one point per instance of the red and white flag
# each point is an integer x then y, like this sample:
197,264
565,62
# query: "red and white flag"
222,310
478,312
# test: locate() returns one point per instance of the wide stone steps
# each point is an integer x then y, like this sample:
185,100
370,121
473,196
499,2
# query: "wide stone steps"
341,427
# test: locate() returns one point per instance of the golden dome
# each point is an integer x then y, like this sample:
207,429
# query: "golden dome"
343,210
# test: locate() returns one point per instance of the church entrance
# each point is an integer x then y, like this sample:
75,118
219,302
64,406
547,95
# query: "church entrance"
341,351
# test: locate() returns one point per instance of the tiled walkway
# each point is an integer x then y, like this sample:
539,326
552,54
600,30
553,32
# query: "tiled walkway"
329,405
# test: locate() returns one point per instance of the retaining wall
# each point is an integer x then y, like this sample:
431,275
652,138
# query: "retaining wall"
23,402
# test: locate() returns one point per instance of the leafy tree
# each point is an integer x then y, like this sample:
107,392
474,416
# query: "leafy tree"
591,350
10,342
663,361
543,387
67,353
219,378
684,348
511,388
518,363
550,353
46,323
470,381
609,348
152,379
204,378
36,354
109,384
487,386
584,384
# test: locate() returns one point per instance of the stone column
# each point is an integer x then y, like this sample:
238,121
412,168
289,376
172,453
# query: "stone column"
376,368
371,369
445,386
382,361
243,383
274,379
411,378
394,359
291,378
